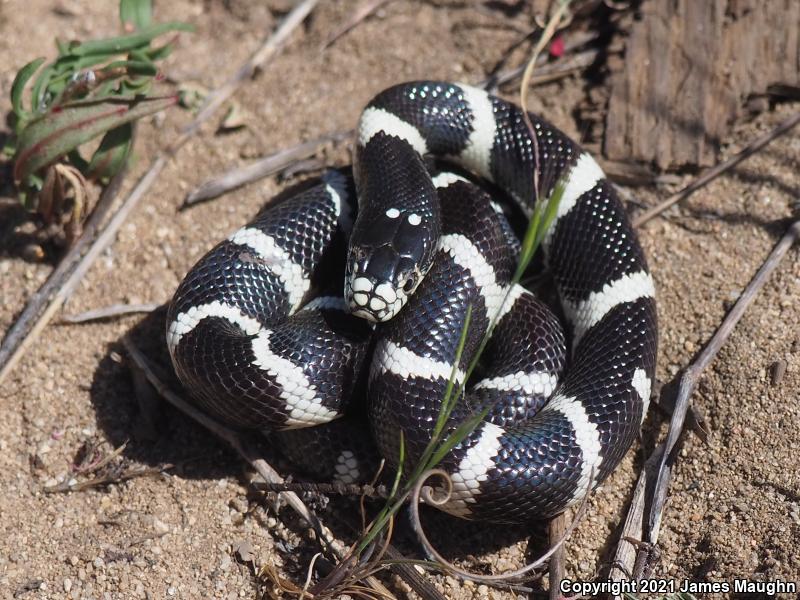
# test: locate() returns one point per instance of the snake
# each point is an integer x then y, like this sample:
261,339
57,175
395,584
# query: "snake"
370,295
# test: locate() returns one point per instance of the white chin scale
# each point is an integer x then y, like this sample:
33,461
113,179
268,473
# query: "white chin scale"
376,303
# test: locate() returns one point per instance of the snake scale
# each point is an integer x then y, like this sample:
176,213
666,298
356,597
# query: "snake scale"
351,297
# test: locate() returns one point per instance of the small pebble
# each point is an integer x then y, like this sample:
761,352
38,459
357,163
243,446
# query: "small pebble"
160,526
777,371
67,584
244,550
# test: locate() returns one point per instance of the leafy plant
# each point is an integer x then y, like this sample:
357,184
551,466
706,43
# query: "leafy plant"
92,89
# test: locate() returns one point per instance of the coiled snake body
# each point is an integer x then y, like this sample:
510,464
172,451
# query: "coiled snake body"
253,350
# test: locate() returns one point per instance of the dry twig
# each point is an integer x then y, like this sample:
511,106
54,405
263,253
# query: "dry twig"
625,555
340,489
718,170
77,486
59,286
564,67
573,42
108,312
555,530
361,13
263,167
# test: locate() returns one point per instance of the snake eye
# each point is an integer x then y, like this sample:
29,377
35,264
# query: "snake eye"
408,285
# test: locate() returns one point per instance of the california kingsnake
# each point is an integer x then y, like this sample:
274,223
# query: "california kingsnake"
250,352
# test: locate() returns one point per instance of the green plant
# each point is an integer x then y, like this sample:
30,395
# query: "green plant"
92,89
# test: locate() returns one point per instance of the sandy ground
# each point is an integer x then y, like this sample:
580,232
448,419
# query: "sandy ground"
734,506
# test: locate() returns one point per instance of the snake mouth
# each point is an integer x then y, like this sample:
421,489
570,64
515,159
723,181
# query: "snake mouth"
375,302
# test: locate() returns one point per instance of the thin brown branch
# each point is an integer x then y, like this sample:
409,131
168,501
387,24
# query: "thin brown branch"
340,489
108,312
625,555
555,531
687,381
714,172
572,43
77,486
563,68
59,286
361,14
95,466
524,86
263,167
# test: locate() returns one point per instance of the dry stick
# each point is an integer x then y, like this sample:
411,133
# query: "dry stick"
563,68
59,286
263,167
340,489
687,381
364,11
108,312
69,486
622,565
573,42
555,530
301,167
271,477
718,170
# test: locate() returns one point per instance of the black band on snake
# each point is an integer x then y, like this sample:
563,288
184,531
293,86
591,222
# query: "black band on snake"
253,350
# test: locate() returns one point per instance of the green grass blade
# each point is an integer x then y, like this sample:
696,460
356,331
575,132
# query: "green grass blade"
448,402
133,67
39,86
20,81
126,43
550,210
458,435
160,52
399,474
138,13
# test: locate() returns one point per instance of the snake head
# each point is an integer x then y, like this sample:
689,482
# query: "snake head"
388,257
